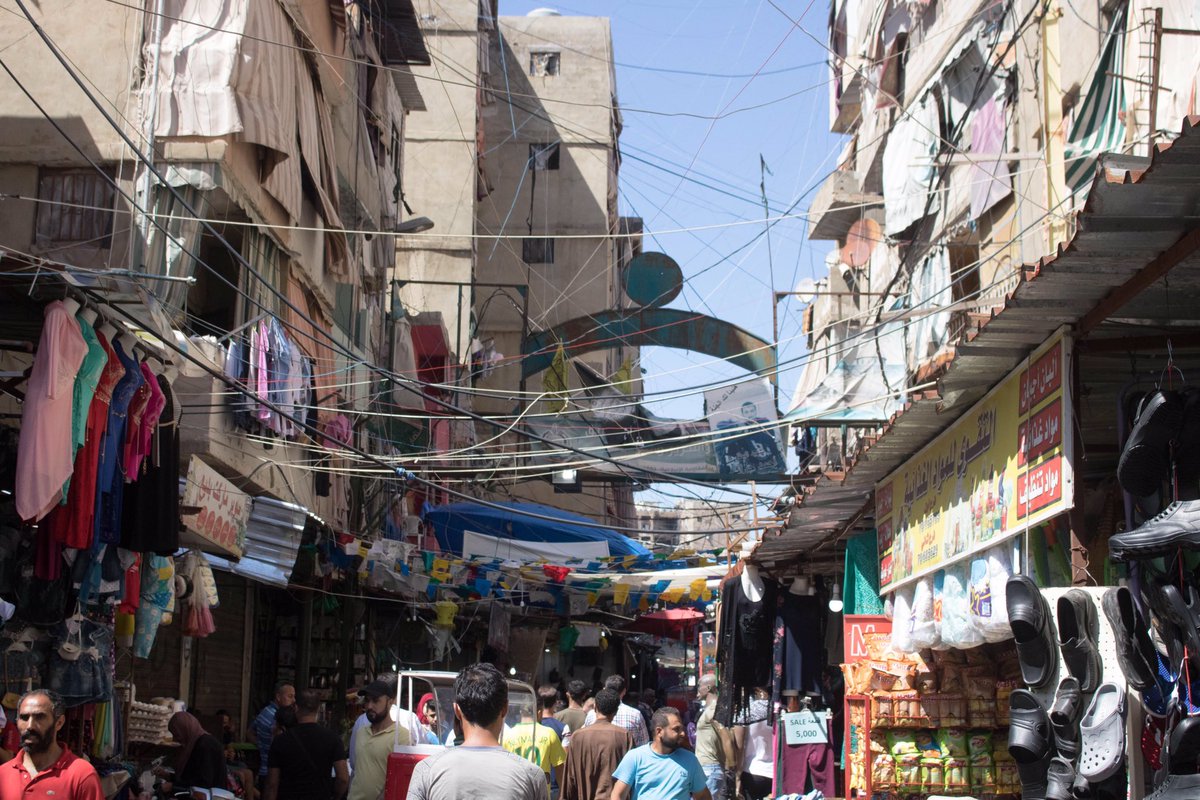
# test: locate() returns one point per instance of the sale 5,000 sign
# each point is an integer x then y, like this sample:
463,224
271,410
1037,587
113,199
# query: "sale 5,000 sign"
1000,468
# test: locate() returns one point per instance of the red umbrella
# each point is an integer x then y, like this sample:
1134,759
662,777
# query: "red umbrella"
670,623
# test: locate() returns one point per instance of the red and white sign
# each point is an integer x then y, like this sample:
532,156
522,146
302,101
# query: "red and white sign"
856,628
217,511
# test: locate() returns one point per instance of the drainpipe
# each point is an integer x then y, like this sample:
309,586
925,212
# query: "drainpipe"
151,121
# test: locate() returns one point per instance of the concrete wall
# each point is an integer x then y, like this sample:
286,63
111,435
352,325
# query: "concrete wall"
576,109
440,170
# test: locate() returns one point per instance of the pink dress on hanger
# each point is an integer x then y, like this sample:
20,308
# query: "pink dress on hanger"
46,451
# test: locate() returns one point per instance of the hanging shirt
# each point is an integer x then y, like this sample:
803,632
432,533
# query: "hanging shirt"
45,453
110,480
72,525
149,422
86,381
131,457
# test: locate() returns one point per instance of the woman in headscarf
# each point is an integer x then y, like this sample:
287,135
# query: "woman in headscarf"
427,715
201,760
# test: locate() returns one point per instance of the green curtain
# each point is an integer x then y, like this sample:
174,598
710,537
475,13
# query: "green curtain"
860,590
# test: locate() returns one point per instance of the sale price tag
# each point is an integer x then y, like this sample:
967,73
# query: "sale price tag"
806,727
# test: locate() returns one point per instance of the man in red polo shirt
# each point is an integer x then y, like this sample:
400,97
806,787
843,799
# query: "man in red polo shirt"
43,767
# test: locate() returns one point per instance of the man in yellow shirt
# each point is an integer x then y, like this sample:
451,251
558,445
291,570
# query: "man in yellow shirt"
538,744
373,744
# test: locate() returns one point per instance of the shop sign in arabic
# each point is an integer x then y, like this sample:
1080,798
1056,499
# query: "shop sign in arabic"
218,510
1003,466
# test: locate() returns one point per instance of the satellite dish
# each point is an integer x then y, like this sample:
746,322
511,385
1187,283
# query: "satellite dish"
653,279
864,234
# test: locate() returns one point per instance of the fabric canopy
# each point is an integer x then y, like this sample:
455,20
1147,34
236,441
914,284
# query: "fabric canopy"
670,623
477,531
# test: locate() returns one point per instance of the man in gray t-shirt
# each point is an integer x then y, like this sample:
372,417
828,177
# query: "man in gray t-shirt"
470,773
480,767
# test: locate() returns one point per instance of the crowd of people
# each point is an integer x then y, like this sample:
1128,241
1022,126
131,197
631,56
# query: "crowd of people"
574,745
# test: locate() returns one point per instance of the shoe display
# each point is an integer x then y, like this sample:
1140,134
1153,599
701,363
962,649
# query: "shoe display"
1131,634
1033,628
1145,460
1177,787
1064,717
1060,777
1030,737
1183,747
1102,734
1178,525
1182,610
1187,445
1078,632
1034,779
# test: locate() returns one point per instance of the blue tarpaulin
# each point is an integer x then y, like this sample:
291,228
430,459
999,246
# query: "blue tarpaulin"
477,531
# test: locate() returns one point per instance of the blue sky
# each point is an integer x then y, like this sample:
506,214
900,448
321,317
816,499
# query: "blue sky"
731,41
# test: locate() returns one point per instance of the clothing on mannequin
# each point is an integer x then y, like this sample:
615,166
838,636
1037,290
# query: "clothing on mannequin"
752,584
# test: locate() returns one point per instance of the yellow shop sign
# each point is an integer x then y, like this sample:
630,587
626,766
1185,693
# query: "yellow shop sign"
1003,466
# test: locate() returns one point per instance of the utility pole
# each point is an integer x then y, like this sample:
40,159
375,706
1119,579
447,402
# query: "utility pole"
1052,127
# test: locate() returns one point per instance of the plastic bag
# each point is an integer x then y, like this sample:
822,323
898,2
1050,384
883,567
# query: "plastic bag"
902,620
926,631
958,628
989,610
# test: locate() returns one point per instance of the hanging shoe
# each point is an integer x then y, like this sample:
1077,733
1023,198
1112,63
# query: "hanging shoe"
1030,737
1177,787
1131,634
1030,619
1078,632
1145,459
1183,748
1177,525
1182,609
1060,777
1102,734
1064,717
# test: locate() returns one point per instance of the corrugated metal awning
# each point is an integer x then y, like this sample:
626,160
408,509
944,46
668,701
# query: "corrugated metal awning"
272,543
1136,210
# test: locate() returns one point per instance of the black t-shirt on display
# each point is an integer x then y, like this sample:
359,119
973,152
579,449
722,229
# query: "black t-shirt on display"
305,756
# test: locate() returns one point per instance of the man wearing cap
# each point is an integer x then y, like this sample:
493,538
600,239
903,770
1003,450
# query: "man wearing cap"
374,743
406,719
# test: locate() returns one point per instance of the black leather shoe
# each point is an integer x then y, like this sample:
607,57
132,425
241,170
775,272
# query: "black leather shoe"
1078,632
1030,737
1145,460
1182,609
1135,650
1034,779
1183,747
1178,525
1064,718
1032,627
1060,776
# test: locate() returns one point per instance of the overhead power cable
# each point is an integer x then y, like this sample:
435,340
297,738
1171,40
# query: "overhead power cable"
245,264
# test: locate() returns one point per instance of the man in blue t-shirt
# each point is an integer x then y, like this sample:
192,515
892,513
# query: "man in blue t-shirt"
661,770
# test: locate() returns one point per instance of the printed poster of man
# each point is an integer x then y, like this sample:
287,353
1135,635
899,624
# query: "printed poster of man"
748,440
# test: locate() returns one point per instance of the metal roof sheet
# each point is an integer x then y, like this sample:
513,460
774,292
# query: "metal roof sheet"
1137,209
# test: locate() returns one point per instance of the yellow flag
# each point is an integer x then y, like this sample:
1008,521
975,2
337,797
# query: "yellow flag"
673,595
698,589
620,594
554,382
622,379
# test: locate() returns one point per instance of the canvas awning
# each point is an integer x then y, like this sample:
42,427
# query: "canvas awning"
510,533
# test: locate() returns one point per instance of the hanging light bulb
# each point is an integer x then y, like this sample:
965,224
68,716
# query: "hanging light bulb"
835,599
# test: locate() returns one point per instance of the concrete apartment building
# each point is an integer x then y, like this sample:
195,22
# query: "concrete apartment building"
948,182
516,164
293,155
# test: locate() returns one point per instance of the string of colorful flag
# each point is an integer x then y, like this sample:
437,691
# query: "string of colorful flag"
569,586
